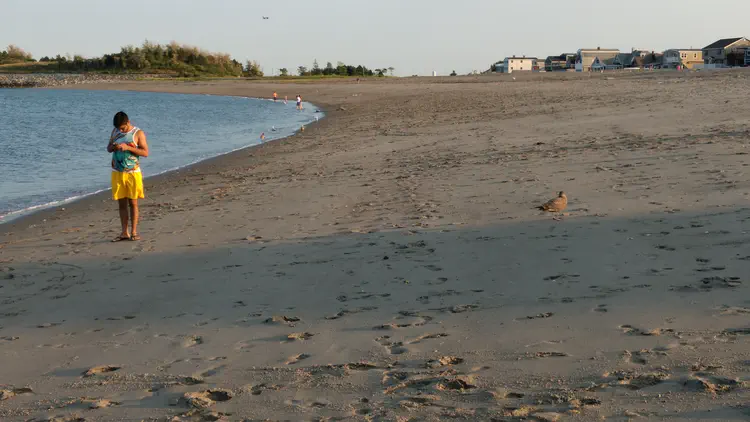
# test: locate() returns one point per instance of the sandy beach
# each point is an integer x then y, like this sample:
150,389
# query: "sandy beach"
388,263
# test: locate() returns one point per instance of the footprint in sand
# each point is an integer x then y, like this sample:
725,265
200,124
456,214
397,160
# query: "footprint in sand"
212,371
601,309
103,369
720,282
297,358
7,394
207,398
629,329
639,357
443,361
734,310
712,384
346,312
634,380
427,337
420,321
455,384
542,355
192,341
537,316
257,390
94,404
299,336
458,309
394,348
282,319
244,345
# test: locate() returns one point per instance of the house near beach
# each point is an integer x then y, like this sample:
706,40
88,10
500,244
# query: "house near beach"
727,52
686,58
588,59
564,61
517,64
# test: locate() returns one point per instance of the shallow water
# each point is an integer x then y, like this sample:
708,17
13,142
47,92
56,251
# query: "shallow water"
53,142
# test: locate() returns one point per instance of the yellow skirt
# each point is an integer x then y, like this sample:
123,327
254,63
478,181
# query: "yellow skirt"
127,185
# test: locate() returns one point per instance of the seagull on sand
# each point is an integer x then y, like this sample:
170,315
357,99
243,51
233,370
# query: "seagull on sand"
555,205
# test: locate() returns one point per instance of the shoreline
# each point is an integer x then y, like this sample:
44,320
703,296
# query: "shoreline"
55,206
389,264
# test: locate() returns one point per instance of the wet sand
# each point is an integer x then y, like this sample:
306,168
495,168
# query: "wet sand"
388,263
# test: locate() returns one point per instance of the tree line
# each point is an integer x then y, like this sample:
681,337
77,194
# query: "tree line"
341,69
173,58
179,59
15,54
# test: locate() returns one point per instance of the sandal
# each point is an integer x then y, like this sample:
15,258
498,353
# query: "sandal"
135,237
121,238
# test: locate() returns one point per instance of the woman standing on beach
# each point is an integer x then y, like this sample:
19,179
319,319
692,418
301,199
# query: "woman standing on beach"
299,102
127,144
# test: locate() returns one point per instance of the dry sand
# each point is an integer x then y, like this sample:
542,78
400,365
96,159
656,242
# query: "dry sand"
388,263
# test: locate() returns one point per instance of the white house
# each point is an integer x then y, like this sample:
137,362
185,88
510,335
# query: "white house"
518,64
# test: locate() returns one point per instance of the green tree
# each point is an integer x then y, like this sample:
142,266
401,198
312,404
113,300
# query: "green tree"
454,73
302,70
284,71
329,70
253,69
316,68
341,69
391,69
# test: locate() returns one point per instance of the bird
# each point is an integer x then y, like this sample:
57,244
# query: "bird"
555,205
265,18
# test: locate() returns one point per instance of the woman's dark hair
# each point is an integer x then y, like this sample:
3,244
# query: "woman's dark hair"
120,119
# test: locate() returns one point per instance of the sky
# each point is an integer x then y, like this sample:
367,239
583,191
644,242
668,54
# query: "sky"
416,37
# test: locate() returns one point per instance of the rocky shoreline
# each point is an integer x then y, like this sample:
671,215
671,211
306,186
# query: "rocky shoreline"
38,80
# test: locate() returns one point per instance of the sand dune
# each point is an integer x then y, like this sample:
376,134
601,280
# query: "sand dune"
389,264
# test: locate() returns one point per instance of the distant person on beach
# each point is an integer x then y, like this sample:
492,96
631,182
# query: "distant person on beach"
127,144
299,102
275,96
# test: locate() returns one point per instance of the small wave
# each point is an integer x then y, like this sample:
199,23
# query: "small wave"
4,218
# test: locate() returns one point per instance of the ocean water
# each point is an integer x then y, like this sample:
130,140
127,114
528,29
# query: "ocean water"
53,142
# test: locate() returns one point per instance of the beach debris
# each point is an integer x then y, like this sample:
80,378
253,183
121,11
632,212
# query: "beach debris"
557,204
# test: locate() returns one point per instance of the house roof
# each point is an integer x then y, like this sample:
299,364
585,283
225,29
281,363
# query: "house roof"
608,50
522,58
649,59
684,49
723,43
